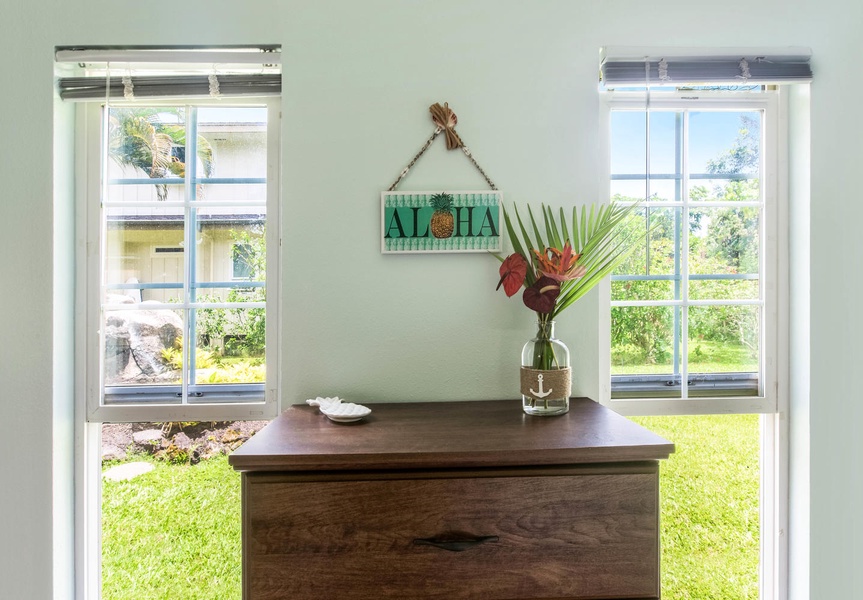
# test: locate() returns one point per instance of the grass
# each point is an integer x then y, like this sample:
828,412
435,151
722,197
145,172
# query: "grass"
704,357
175,532
709,490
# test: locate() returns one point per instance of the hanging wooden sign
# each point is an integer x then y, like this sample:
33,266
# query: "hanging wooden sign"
443,221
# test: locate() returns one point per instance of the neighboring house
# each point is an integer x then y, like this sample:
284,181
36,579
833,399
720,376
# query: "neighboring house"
146,245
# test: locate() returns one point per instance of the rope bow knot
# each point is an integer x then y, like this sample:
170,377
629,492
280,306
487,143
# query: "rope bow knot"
445,118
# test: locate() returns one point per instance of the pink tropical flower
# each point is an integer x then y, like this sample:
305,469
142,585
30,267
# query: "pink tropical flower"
560,265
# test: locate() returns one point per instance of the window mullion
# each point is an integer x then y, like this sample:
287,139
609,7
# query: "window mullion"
190,240
684,264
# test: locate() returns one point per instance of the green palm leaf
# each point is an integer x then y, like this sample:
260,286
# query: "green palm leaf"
599,235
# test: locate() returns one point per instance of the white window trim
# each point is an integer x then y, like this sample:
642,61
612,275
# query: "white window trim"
768,403
774,405
88,262
88,494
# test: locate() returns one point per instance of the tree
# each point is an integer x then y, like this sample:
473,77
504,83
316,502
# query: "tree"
721,241
141,138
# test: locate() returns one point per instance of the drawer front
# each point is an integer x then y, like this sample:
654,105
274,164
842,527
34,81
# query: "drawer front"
592,536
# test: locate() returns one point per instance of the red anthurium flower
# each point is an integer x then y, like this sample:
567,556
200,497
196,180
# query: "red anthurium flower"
542,295
512,273
560,265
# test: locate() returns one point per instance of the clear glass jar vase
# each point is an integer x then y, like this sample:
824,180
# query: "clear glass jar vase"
546,376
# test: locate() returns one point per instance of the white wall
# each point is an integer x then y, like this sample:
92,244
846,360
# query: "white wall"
359,76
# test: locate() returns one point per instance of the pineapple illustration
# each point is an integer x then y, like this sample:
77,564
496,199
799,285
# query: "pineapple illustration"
442,221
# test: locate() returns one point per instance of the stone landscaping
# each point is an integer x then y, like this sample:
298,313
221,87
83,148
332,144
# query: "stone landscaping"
175,442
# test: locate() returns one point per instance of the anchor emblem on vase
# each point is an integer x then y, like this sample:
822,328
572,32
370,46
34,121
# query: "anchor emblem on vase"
541,393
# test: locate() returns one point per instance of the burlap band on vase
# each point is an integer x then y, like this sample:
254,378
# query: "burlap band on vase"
540,384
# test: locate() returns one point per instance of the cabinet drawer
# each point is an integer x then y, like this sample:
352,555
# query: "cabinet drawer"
565,536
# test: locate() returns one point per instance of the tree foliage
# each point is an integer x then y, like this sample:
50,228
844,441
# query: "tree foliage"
721,241
144,139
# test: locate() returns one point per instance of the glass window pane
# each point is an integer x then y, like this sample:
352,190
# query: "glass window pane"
642,340
628,166
724,253
230,249
628,142
146,142
143,347
233,146
144,254
659,259
230,345
724,143
724,339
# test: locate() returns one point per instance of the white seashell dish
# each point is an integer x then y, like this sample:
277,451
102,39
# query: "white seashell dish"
323,403
345,412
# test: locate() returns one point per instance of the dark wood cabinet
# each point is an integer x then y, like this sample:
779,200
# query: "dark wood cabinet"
462,500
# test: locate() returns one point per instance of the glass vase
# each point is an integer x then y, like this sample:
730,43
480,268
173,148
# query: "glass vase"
546,376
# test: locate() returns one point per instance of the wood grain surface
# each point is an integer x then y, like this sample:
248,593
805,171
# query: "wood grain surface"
591,536
435,435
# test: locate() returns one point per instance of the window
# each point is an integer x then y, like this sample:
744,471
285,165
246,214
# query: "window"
180,209
242,261
693,315
692,319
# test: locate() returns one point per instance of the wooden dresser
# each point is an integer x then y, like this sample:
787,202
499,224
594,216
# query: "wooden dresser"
455,500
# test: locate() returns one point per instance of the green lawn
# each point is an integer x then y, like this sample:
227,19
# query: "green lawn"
709,490
175,532
704,357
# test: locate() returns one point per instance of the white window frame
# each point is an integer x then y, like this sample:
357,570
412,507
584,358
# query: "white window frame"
88,495
773,403
89,232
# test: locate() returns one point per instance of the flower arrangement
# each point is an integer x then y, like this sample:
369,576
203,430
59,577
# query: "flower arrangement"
563,264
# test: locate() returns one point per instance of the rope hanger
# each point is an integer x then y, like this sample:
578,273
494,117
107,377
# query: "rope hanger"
445,121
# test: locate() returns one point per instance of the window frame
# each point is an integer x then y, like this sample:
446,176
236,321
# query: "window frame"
91,234
774,257
773,406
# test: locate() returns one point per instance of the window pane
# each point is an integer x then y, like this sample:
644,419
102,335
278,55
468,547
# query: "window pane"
724,143
628,142
628,167
231,345
234,140
146,142
144,253
724,339
642,340
143,347
229,241
658,260
724,253
150,249
718,155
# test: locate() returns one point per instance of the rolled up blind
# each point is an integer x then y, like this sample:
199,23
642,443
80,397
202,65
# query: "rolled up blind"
624,68
138,73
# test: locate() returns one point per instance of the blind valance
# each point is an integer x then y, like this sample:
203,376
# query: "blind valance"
619,68
158,72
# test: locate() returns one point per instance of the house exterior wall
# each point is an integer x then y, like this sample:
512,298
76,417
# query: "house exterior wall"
359,77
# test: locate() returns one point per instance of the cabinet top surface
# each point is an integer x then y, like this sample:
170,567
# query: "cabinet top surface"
441,435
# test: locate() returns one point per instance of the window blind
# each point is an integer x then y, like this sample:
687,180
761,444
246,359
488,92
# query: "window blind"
151,72
626,68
